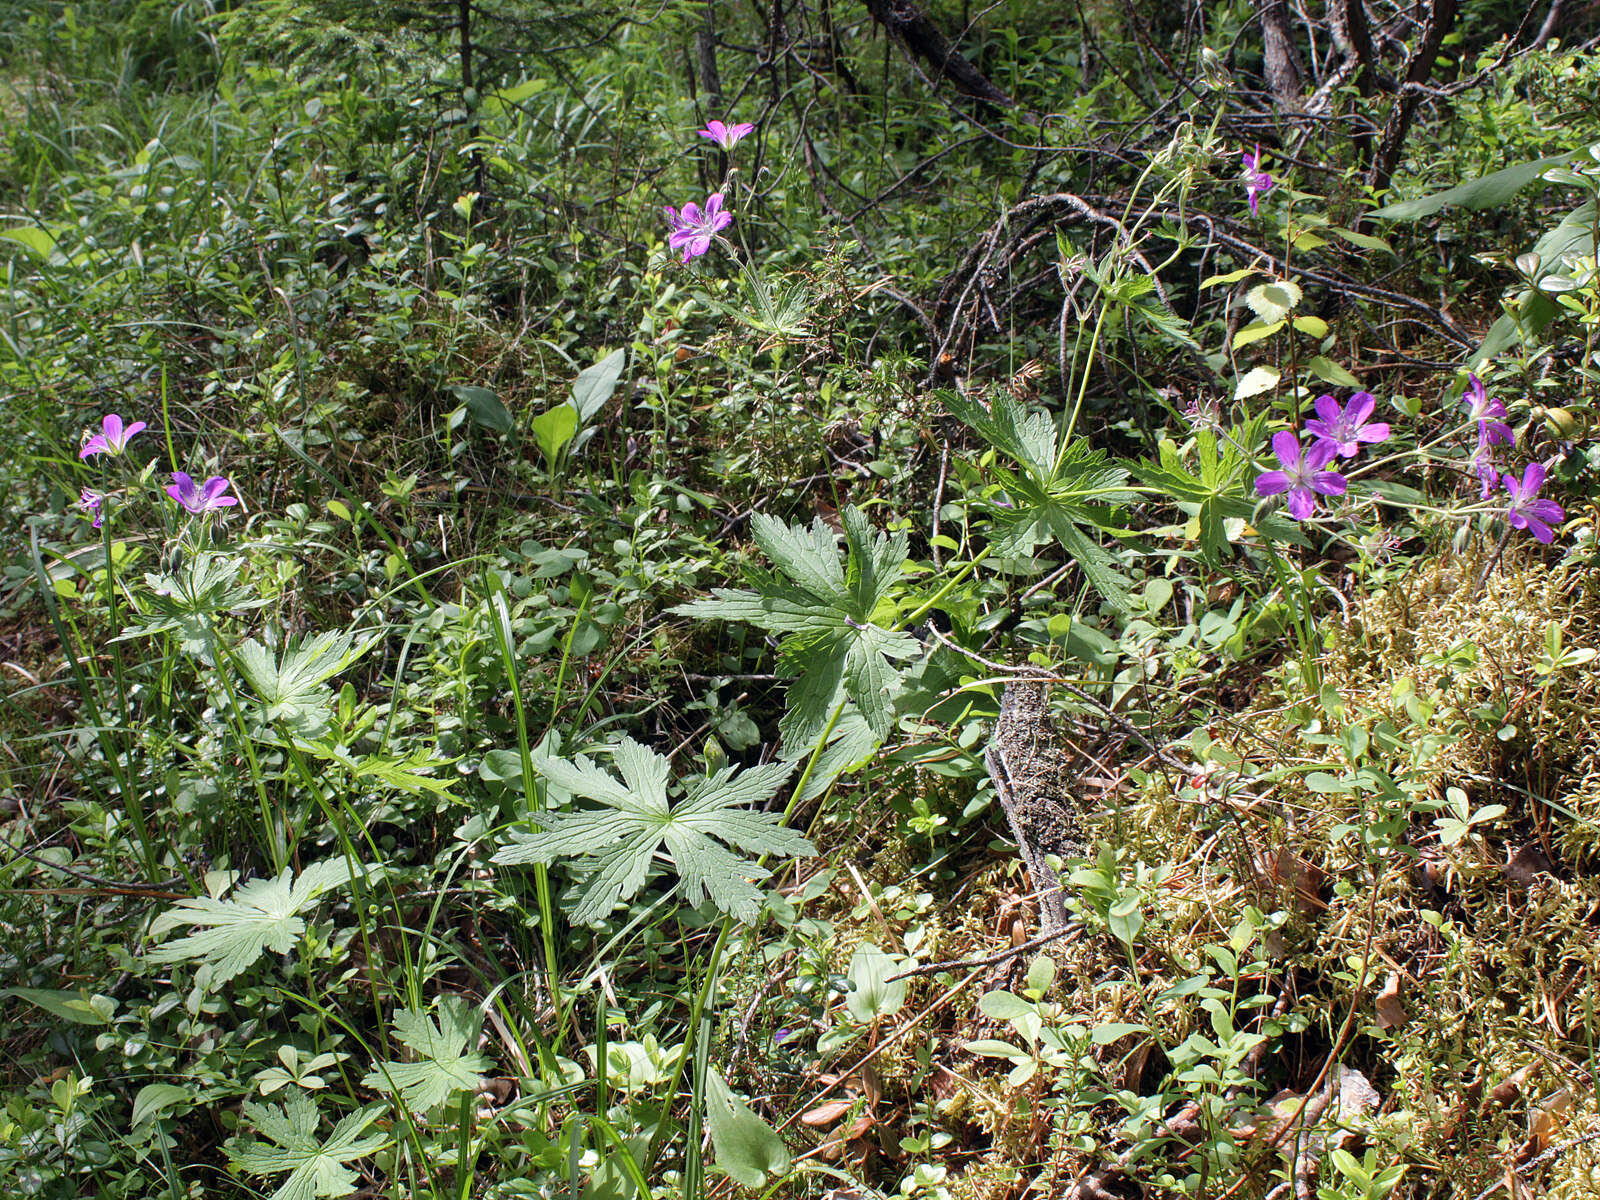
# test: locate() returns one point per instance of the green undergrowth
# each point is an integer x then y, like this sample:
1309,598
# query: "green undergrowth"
512,723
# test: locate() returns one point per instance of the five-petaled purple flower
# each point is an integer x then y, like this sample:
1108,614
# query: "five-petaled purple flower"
90,501
1487,412
112,438
726,136
1256,181
1302,476
1526,510
693,228
1346,430
200,497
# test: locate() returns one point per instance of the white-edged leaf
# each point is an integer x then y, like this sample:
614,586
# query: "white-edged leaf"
1273,301
1255,381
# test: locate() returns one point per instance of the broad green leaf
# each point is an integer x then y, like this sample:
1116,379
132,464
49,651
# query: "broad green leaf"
617,843
37,241
553,430
873,996
314,1167
484,407
1126,918
1216,493
1255,331
1487,191
745,1146
595,385
1111,1031
827,609
1312,326
781,314
1059,493
1004,1006
1329,371
993,1048
1364,241
1573,235
81,1008
154,1099
187,601
444,1064
1211,281
261,915
290,685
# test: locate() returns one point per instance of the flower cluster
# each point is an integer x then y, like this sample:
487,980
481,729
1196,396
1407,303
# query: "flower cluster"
692,228
112,441
1525,509
1256,181
1489,413
1337,433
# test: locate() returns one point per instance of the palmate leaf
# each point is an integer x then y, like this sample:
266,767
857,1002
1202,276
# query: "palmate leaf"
444,1066
1059,495
290,686
1217,491
262,914
315,1167
617,843
828,609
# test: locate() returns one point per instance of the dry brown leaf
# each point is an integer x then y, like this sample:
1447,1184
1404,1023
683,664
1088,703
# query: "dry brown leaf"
1390,1008
825,1114
1547,1117
1509,1090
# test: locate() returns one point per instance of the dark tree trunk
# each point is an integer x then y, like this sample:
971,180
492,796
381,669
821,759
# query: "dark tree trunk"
1354,39
705,57
1285,80
1441,16
907,25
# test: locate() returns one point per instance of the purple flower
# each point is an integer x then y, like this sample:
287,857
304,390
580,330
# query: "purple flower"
1256,181
1485,410
693,229
726,136
1526,510
112,438
90,501
200,497
1483,464
1302,475
1347,430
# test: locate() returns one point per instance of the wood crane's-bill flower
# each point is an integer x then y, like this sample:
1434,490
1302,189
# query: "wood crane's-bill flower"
200,498
726,136
1489,413
1256,181
90,501
1527,510
1302,476
1347,429
694,227
112,439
